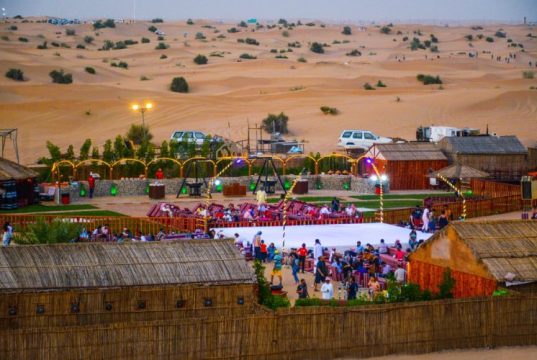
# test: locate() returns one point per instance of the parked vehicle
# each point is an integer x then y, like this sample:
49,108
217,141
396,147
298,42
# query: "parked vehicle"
193,136
437,133
360,139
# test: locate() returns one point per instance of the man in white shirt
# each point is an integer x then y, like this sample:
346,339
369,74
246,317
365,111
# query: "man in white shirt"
317,252
425,219
383,248
327,290
400,274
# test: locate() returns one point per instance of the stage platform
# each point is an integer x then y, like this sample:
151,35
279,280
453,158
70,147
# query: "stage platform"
340,236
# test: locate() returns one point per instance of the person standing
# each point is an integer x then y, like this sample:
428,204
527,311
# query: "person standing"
321,272
91,184
8,233
425,219
327,290
159,175
256,242
277,269
352,290
302,289
294,266
400,274
302,253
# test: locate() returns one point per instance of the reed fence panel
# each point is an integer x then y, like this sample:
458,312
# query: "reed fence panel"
296,333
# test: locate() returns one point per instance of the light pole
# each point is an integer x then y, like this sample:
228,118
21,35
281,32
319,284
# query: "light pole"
142,109
381,179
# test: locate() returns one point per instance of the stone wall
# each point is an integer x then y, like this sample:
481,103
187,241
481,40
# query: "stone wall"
133,187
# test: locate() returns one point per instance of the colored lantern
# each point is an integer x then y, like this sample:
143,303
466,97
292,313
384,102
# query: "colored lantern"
183,190
252,186
82,191
346,186
113,189
287,184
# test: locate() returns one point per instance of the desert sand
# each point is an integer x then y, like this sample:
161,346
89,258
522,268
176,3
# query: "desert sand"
226,94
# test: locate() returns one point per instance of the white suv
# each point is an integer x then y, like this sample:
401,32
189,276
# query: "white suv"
360,139
193,136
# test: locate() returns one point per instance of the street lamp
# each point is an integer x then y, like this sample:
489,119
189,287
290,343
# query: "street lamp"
381,179
142,109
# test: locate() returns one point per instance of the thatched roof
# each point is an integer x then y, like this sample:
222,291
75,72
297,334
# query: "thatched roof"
505,246
102,265
10,170
459,171
406,152
494,145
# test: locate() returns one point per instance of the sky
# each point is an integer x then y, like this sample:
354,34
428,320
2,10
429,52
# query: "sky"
330,10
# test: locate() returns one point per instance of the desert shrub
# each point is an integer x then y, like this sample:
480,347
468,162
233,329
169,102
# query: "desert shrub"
310,24
201,59
13,28
108,23
88,39
130,42
434,39
144,78
428,79
280,57
81,46
327,110
70,32
107,45
317,48
157,20
152,28
64,45
161,46
55,44
160,38
285,33
121,64
179,85
145,40
405,38
59,77
380,84
385,30
42,46
295,44
251,41
354,52
489,39
347,30
190,22
335,42
90,70
242,24
469,37
367,86
500,34
434,49
5,38
477,27
302,59
15,74
275,122
273,51
480,36
23,39
416,44
233,30
200,36
247,56
163,56
427,43
240,41
120,45
528,74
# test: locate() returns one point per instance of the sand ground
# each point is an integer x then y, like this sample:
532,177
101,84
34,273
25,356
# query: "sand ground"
227,94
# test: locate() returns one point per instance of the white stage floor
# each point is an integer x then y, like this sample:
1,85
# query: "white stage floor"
341,236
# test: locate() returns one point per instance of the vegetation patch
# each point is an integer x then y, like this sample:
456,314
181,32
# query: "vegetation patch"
90,70
429,79
327,110
59,77
15,74
179,84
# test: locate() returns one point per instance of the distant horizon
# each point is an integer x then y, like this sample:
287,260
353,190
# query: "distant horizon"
337,11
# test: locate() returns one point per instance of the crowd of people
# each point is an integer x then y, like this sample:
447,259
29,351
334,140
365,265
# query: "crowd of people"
364,268
426,220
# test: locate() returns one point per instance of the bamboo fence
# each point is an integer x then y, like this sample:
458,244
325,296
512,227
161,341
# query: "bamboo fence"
296,333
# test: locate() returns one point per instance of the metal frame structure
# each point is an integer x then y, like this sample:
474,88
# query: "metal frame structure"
11,134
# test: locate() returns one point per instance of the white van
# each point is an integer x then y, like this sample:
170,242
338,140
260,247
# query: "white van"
360,139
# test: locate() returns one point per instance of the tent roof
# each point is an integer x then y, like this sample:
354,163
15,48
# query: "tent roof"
483,145
407,152
102,265
10,170
459,171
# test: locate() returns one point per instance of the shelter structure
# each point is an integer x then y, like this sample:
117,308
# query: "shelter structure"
482,256
103,283
503,157
18,185
407,165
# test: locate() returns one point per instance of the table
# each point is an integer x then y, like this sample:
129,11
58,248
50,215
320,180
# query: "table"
301,187
194,189
157,191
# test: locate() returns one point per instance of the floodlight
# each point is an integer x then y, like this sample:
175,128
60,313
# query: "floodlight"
383,178
373,178
135,107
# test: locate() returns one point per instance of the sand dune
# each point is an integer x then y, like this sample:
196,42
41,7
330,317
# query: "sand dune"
226,93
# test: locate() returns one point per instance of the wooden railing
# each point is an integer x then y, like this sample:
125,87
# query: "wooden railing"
493,189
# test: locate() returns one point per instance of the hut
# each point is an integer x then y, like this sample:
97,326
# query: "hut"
503,157
102,283
482,256
459,175
18,185
408,164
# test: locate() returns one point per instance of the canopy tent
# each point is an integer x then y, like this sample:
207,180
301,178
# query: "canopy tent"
458,171
340,236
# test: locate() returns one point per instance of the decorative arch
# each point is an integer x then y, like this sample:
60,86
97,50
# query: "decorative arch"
298,156
198,158
56,167
350,159
124,161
